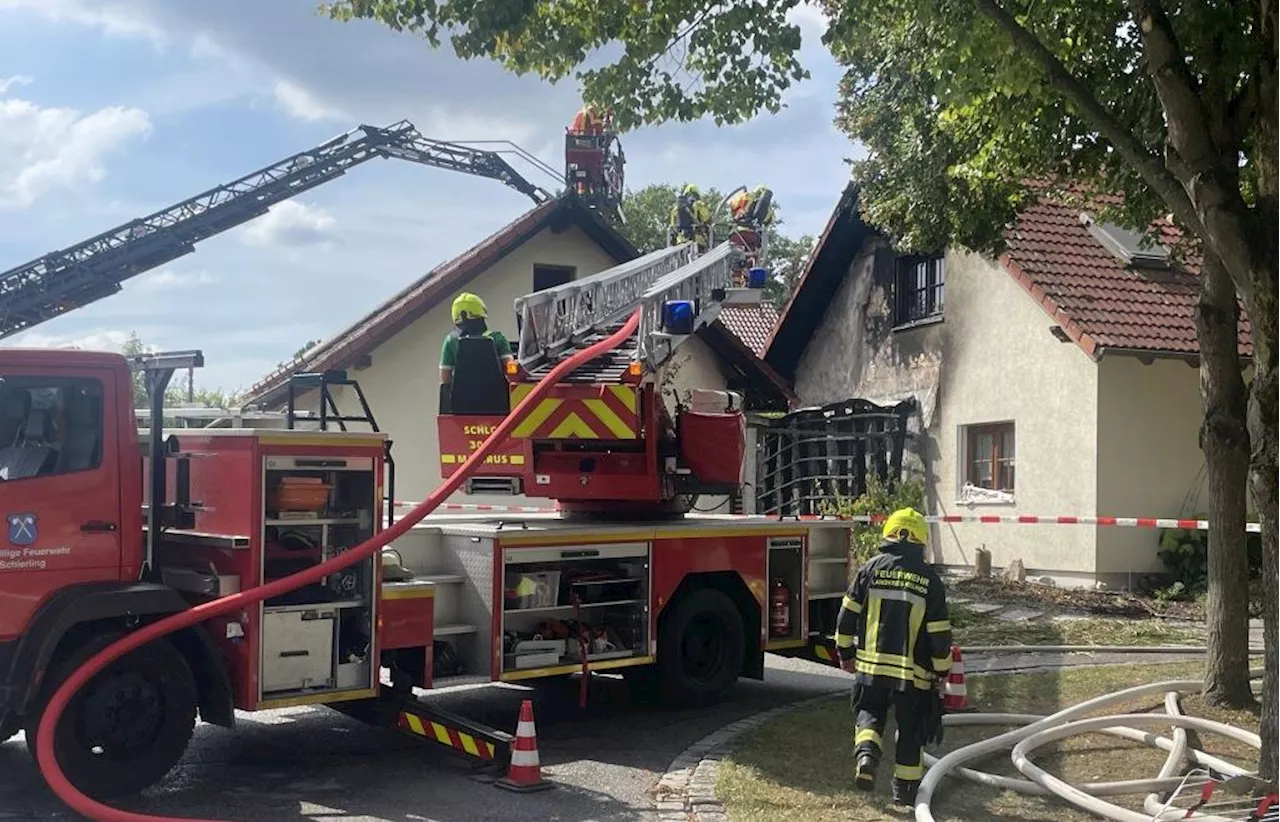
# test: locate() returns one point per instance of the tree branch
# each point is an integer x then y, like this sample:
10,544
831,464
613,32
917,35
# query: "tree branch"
1208,171
1142,159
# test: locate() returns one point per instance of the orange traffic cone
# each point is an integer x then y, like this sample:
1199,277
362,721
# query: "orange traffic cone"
525,773
955,696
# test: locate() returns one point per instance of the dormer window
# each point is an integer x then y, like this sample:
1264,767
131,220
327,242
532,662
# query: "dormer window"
1129,247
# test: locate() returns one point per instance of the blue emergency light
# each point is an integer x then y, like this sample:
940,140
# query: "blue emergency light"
757,277
677,316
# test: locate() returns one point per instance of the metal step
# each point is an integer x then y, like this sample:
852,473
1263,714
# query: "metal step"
455,629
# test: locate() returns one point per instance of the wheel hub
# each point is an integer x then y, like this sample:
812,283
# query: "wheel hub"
704,649
124,712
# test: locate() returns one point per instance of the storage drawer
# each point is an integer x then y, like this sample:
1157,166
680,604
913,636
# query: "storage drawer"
297,649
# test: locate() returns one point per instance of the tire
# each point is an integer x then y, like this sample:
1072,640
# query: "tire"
700,648
129,725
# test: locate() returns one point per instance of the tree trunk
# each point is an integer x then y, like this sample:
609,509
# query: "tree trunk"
1264,409
1224,439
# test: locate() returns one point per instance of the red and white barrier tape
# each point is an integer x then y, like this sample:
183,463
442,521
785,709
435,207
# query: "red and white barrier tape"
1031,519
876,519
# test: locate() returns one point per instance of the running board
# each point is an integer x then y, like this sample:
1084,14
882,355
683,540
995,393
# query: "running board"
488,748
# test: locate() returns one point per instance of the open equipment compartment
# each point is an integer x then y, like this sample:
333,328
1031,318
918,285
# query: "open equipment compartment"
317,639
785,575
552,595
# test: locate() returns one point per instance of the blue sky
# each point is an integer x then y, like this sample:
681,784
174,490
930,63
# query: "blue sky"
113,110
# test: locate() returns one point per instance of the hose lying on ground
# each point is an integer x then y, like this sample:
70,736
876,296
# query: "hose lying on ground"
1038,731
93,809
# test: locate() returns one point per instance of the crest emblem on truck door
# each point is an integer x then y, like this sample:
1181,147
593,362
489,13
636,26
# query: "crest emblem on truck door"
22,528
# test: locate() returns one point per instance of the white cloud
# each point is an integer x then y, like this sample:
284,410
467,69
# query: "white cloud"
109,340
298,101
290,224
44,149
7,83
117,19
165,279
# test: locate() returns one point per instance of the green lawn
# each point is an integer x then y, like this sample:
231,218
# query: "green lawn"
799,767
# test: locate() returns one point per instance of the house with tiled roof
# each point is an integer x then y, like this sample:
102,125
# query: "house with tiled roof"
1059,379
393,351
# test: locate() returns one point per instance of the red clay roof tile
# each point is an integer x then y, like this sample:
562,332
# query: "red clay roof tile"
751,324
1099,301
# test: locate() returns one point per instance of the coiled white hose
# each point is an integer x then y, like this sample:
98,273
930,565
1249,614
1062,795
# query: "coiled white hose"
1038,731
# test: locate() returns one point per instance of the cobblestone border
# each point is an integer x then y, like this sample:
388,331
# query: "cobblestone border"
687,791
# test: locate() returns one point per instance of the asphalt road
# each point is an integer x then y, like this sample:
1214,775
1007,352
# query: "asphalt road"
315,764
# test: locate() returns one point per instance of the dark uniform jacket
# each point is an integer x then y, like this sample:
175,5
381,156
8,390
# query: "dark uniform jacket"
893,621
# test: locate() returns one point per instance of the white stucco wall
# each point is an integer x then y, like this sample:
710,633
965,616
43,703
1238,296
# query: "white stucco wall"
1003,364
992,359
402,384
1149,459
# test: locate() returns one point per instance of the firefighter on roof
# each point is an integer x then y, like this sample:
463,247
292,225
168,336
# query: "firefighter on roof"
469,315
894,635
690,218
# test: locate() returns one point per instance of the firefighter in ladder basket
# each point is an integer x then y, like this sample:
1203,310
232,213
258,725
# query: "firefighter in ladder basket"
690,218
894,635
469,320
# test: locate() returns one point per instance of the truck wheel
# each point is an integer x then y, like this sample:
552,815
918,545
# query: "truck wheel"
700,648
129,725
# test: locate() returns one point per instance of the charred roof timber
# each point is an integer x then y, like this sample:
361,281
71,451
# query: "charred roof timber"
1129,247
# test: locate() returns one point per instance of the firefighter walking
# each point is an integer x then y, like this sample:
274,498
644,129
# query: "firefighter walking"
894,635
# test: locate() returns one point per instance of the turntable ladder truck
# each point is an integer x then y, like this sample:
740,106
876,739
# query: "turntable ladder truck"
102,540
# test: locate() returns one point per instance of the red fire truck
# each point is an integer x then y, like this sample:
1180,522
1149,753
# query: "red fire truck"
622,578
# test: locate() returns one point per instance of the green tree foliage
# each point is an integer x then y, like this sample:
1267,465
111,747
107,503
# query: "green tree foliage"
647,214
177,394
966,107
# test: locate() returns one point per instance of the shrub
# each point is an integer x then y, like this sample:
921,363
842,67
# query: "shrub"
880,498
1185,554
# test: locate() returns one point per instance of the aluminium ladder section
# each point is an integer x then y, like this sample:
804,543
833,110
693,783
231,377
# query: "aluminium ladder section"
554,321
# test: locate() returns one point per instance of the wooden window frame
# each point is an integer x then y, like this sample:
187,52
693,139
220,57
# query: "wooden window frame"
997,431
914,302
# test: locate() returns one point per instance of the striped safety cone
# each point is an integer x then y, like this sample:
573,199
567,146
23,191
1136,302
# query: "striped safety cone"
525,772
955,696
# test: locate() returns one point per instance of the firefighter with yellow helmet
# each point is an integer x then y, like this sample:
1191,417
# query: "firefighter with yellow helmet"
894,635
469,320
690,218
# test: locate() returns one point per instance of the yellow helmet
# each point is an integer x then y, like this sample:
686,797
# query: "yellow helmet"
470,305
908,524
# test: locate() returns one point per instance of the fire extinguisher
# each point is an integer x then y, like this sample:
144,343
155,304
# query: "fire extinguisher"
780,609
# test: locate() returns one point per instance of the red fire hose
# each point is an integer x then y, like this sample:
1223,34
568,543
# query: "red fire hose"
93,809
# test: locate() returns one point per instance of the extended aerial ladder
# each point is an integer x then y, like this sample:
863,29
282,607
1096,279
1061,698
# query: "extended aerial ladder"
61,281
603,439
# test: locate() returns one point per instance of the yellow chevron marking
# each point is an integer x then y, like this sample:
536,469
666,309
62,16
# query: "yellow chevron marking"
519,392
611,420
821,652
490,748
469,744
536,418
626,394
415,725
442,734
573,426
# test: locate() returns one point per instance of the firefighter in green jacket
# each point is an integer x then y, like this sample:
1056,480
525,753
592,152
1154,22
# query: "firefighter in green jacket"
894,635
469,313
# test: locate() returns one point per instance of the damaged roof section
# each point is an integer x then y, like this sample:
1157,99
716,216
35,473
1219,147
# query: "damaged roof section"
1106,289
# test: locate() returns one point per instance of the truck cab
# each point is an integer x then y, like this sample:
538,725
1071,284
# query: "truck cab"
72,577
70,486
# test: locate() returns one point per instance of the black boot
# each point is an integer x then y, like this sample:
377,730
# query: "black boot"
904,791
864,772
